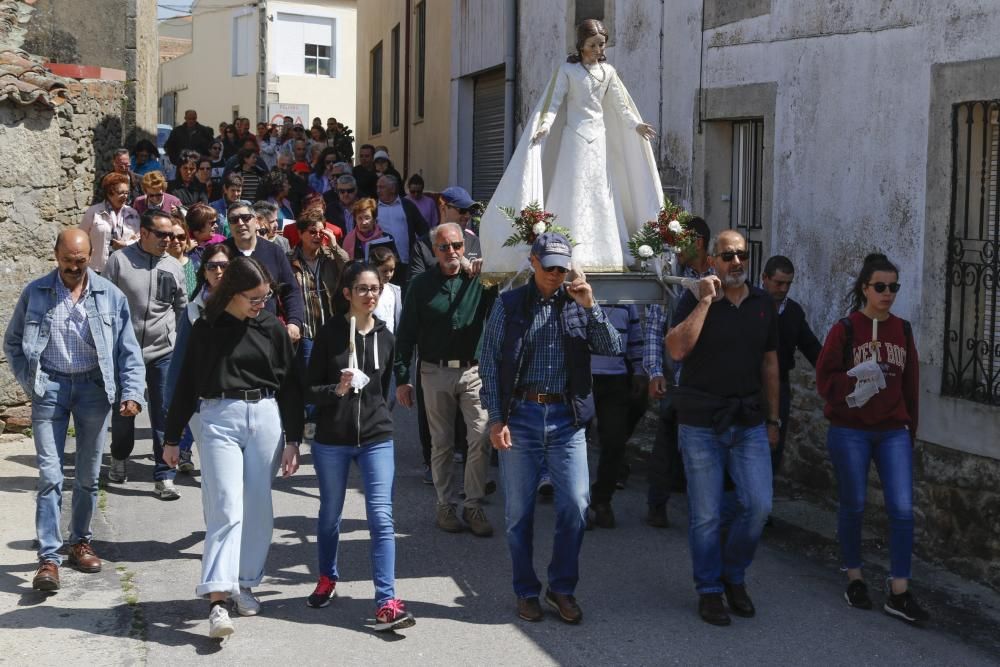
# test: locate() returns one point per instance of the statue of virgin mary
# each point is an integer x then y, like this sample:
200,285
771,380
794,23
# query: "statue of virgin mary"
584,156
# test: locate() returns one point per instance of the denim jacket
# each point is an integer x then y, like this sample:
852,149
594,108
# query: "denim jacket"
118,353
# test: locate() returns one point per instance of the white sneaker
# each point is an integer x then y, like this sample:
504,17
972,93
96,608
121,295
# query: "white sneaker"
219,623
245,604
166,490
309,432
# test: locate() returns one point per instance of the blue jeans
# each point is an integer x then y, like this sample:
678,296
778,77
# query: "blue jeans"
745,454
83,396
544,435
377,465
851,452
239,445
123,428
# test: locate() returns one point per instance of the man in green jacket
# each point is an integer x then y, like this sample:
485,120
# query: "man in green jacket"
443,316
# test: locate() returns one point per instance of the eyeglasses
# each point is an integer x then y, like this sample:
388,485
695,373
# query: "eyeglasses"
120,193
244,218
346,191
730,255
180,237
314,232
881,287
454,245
366,290
160,235
553,269
463,211
256,301
216,266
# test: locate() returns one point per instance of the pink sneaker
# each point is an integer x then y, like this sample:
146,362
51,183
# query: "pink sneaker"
393,616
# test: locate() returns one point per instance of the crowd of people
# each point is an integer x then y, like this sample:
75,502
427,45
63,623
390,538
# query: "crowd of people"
273,292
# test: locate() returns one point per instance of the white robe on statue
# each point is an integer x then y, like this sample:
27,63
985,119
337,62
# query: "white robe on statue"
593,171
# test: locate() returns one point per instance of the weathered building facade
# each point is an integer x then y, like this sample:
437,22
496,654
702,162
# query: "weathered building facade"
825,130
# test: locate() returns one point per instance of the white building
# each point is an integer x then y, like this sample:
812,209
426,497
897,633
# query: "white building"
310,60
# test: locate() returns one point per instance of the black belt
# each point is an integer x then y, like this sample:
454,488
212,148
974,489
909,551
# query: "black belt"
248,395
451,363
536,397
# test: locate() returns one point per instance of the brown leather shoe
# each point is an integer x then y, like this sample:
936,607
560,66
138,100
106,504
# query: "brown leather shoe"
529,609
47,577
83,558
566,605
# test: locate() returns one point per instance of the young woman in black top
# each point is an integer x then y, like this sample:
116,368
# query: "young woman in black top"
239,363
355,425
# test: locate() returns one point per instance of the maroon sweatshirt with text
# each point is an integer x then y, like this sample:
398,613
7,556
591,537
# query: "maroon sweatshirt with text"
892,408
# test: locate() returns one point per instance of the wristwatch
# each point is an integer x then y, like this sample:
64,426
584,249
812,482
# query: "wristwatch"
773,422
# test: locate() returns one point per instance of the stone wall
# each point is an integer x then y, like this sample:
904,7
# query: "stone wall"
52,159
956,494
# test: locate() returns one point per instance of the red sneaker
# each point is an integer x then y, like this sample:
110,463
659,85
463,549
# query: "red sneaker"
393,616
326,590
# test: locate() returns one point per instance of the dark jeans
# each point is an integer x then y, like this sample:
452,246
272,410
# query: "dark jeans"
302,355
665,468
784,409
123,428
612,402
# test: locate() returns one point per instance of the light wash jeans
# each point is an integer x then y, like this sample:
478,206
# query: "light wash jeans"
745,454
377,465
239,445
83,396
544,436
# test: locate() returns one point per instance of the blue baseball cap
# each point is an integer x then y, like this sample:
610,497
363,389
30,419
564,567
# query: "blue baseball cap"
457,197
552,249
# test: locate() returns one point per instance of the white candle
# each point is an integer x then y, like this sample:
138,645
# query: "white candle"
874,330
352,359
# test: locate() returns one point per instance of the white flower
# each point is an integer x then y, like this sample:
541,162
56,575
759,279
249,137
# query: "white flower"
645,252
539,228
675,226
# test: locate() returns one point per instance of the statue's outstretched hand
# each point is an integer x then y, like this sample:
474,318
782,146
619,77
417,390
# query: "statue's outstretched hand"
646,131
540,134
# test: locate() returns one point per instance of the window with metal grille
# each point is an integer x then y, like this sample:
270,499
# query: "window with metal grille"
376,89
317,59
746,190
972,302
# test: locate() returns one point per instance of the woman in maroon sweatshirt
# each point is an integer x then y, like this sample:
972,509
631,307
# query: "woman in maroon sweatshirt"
880,429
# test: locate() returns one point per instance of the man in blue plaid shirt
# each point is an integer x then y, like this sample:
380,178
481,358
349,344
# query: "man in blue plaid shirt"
535,368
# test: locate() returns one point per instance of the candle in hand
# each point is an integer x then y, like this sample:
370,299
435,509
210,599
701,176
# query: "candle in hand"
352,358
874,330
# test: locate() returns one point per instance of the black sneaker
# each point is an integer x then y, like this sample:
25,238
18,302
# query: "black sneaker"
739,600
711,609
326,590
904,606
657,516
857,595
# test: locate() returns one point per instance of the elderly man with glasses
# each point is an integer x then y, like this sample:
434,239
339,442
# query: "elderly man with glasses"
338,202
154,285
245,240
727,338
443,315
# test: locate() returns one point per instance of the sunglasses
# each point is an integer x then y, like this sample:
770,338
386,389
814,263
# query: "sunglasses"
463,211
161,235
454,245
730,255
346,191
245,218
180,237
881,287
314,232
553,269
257,300
216,266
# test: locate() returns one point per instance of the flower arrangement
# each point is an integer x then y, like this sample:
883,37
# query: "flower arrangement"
532,221
668,233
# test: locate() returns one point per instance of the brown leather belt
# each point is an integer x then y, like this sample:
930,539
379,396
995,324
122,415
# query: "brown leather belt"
535,397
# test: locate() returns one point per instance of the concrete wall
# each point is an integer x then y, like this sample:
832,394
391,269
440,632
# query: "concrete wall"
119,34
51,162
429,137
203,77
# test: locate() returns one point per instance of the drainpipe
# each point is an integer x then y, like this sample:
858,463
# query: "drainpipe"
262,61
510,77
407,60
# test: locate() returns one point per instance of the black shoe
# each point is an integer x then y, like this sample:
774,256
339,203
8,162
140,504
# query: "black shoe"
604,516
711,609
622,477
857,595
904,606
739,602
657,516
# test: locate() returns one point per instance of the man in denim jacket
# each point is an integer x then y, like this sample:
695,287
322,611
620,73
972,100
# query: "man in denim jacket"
71,346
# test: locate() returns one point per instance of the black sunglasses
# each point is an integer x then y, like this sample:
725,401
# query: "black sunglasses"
880,287
241,217
553,269
215,266
454,245
160,235
730,255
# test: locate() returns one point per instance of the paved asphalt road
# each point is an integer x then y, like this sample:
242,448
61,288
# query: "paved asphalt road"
636,591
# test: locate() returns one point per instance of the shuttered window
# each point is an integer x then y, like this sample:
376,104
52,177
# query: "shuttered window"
487,134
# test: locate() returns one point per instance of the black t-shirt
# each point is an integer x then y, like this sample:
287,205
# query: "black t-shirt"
727,358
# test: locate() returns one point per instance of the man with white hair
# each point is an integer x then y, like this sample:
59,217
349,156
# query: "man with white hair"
443,316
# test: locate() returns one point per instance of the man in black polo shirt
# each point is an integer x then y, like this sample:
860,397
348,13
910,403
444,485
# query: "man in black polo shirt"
443,316
728,341
793,332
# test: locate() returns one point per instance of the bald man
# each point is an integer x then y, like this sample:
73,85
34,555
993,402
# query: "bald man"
71,346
